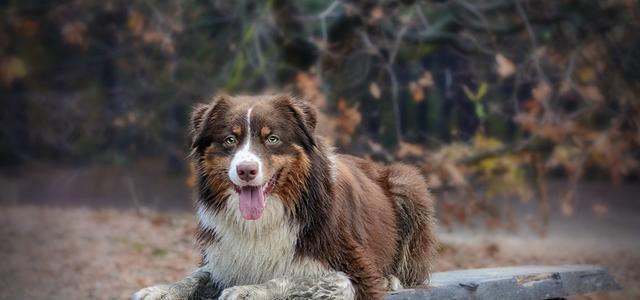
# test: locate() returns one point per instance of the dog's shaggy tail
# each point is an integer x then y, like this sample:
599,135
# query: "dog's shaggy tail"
416,224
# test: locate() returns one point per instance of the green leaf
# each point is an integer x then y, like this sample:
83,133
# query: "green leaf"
480,113
477,96
482,91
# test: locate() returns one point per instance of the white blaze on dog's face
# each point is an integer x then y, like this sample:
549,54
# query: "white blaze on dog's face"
245,162
246,173
256,142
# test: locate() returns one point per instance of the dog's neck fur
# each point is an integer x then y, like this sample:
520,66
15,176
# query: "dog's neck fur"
252,252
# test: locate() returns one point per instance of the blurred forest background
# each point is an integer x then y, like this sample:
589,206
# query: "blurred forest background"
488,97
500,102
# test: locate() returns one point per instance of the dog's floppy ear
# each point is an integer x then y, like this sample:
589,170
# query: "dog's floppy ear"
197,115
202,118
310,116
304,114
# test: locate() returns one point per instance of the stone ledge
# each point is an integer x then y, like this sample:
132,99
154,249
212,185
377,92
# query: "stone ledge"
513,283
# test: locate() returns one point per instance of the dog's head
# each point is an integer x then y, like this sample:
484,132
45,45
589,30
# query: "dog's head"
254,146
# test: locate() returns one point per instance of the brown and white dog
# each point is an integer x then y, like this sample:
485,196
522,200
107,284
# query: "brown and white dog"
284,217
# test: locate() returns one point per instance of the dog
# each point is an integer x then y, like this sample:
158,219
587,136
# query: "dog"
282,216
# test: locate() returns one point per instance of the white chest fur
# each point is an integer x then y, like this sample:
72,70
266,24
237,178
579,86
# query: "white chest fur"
253,252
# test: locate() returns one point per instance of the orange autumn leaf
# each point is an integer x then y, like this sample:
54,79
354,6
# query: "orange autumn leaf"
374,90
455,175
541,92
407,149
504,66
75,33
426,80
376,14
434,181
310,89
416,91
350,117
135,21
592,93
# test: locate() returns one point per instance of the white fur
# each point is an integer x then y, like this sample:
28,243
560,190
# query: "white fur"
253,252
394,283
246,155
345,284
332,165
152,292
335,285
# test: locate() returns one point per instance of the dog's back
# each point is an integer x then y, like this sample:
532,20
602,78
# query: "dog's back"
413,236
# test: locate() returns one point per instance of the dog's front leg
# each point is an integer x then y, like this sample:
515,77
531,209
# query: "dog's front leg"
335,285
195,286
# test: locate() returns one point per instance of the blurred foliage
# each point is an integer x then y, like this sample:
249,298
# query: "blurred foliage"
497,92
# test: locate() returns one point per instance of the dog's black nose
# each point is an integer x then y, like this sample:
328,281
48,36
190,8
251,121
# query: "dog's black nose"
247,171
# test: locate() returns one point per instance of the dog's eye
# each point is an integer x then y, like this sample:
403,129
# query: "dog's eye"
272,140
230,140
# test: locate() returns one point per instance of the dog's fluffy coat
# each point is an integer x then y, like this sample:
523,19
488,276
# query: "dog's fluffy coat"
329,225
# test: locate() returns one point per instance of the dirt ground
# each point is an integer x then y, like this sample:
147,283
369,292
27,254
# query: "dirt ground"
101,253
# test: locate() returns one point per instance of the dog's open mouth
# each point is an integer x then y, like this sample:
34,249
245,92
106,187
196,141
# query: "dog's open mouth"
253,198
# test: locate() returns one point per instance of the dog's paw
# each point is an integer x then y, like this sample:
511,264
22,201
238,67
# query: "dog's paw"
393,283
157,292
245,292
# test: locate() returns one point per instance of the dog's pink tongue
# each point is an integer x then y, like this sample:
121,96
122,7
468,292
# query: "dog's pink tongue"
251,202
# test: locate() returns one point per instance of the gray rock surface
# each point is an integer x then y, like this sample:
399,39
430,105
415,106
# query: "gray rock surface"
513,283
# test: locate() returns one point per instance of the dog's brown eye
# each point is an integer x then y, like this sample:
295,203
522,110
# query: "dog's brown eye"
272,140
230,140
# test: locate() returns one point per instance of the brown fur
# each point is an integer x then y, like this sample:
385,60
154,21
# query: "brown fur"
356,216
